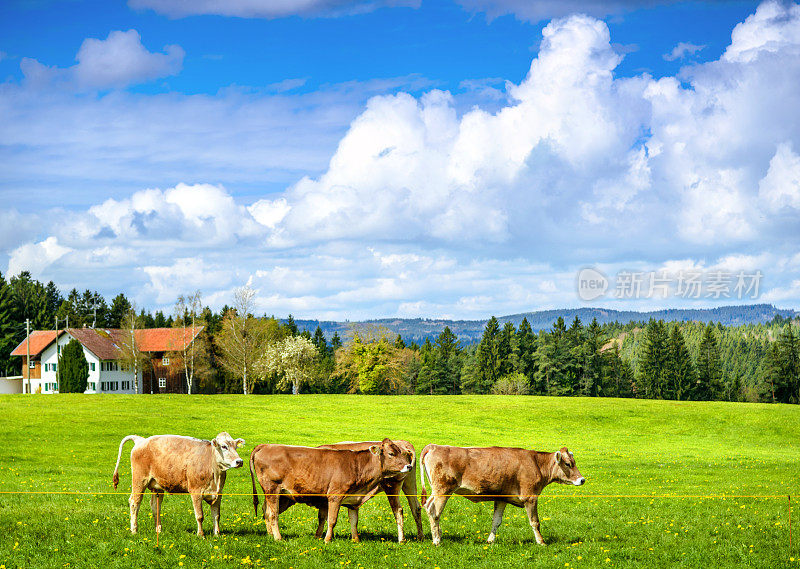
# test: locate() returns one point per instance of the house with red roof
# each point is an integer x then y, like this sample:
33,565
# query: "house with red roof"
161,347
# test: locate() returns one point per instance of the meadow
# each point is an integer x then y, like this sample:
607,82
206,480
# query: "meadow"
669,484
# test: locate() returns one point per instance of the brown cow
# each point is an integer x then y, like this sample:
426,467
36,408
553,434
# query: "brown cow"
176,464
323,478
406,481
503,475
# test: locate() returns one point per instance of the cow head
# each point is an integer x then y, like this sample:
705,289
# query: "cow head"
566,472
394,460
225,451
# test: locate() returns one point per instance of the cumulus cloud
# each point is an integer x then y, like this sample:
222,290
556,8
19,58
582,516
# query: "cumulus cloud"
266,8
35,257
116,62
682,50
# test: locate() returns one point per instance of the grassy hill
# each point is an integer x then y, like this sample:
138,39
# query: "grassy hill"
635,454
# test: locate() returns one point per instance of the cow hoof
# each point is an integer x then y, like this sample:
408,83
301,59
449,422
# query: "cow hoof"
491,539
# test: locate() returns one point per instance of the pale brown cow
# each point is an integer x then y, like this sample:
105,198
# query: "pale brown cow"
323,478
177,464
503,475
407,481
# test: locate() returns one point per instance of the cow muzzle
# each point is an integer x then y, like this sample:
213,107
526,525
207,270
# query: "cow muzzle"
238,463
406,468
579,481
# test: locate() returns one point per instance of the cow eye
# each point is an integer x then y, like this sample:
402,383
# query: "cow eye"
224,447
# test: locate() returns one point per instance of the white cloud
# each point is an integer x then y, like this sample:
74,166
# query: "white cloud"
780,188
122,60
36,257
114,63
266,8
682,49
774,27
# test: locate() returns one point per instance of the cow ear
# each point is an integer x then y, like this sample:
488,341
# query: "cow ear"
558,456
375,449
215,443
570,454
239,443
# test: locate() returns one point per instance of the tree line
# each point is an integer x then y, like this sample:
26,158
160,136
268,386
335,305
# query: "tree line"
240,352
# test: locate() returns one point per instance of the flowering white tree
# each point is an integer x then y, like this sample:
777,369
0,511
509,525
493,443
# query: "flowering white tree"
291,359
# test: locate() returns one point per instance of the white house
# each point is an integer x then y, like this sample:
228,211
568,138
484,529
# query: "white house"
102,350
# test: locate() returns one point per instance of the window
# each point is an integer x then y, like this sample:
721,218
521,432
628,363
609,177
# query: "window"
165,361
92,385
54,367
162,382
126,385
46,367
91,366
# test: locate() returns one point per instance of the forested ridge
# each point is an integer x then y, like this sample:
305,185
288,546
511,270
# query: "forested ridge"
651,359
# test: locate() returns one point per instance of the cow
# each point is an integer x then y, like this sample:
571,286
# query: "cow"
325,479
503,475
177,464
392,486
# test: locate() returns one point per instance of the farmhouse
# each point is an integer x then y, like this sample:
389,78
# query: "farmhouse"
161,348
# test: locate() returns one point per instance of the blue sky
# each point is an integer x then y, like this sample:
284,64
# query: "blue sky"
398,157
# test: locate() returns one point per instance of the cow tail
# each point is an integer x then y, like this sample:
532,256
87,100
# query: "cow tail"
422,455
253,480
135,439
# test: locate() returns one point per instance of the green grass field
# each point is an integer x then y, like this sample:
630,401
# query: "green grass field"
647,449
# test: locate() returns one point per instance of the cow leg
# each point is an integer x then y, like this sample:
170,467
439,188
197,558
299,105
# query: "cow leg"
499,508
410,490
197,502
322,517
434,506
216,506
333,514
394,503
155,506
272,507
352,513
533,518
138,486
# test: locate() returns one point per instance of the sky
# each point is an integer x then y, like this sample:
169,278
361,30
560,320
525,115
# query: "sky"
404,158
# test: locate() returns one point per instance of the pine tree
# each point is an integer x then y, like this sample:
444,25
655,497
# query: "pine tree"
526,344
708,385
680,370
119,308
488,357
399,343
73,369
30,299
552,362
336,342
291,325
653,364
787,386
10,328
506,357
320,342
593,376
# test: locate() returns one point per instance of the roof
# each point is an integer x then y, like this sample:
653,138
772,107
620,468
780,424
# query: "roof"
39,340
105,342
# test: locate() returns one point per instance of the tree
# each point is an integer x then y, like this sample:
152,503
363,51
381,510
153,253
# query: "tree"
653,363
526,345
592,382
30,298
291,325
119,309
10,328
708,384
372,367
131,356
291,359
73,369
193,349
552,360
488,357
680,371
242,339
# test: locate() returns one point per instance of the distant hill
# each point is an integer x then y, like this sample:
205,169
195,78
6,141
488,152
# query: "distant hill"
468,331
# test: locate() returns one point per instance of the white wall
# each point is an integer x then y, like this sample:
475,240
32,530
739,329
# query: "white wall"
10,385
96,376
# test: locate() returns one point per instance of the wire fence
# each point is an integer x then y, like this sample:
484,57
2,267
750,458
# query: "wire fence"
419,496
